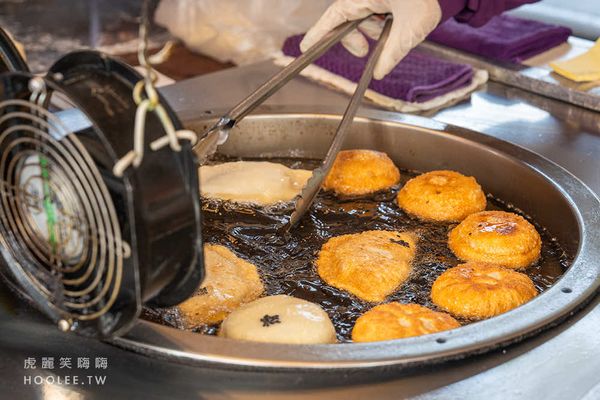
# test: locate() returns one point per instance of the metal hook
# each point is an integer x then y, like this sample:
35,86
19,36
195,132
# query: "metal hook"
150,102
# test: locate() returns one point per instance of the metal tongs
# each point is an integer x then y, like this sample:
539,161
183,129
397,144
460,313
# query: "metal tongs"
218,134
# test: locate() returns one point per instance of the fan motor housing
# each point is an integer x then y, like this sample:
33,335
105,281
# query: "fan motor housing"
154,208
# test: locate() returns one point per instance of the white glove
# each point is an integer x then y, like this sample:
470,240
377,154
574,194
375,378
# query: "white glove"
413,21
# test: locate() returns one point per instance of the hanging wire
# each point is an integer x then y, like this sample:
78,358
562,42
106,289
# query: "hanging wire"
146,98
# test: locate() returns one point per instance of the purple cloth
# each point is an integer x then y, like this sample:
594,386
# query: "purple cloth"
477,12
417,78
504,37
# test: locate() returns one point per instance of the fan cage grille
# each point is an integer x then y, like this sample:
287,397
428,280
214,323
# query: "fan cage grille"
57,218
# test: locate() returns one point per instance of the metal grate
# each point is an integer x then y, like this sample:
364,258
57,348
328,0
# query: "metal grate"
56,213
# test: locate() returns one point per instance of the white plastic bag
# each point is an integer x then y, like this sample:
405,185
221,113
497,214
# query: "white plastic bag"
240,31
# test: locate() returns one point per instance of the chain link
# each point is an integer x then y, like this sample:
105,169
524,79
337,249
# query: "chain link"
147,100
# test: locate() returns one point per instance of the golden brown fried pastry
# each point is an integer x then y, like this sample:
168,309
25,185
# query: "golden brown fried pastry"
496,237
477,290
442,196
370,265
395,321
279,319
229,283
360,172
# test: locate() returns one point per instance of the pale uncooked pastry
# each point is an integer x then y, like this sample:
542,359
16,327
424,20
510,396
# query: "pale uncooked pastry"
279,319
229,282
258,182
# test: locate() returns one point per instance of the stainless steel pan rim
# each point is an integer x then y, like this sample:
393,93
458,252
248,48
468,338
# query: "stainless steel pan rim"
571,292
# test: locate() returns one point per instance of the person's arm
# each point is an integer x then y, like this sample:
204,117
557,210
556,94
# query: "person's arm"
413,21
477,12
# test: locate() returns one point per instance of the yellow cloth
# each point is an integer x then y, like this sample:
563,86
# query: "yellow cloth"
585,67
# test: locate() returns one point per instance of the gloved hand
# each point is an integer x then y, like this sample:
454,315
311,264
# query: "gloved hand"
413,21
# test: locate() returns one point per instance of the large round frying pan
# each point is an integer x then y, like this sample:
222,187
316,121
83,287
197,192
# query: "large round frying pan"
552,196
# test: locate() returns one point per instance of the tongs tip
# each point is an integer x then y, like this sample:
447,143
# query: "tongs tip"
313,185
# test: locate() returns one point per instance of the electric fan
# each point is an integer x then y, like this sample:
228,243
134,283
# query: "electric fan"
86,246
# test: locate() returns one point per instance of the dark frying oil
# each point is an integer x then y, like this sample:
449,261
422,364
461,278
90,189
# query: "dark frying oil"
286,261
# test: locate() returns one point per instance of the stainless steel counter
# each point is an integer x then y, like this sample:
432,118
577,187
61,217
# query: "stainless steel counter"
560,363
